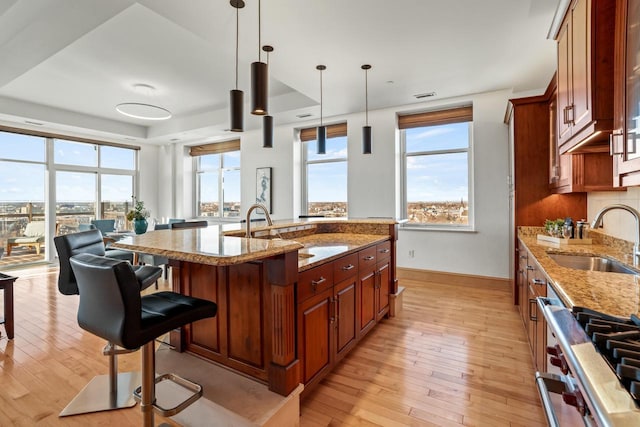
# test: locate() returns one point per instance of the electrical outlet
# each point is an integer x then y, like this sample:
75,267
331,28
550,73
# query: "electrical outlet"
412,253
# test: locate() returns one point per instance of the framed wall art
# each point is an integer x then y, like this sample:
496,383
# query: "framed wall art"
263,187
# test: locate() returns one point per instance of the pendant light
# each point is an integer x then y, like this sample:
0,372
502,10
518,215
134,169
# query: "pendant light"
236,97
321,132
267,121
259,79
366,130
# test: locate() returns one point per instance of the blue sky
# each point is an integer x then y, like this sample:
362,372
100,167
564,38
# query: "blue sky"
25,182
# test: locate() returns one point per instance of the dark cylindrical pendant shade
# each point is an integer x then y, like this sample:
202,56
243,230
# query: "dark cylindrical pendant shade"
259,88
236,98
366,139
321,137
267,132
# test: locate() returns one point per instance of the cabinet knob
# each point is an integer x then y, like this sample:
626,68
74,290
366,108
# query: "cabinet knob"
369,258
384,251
539,282
348,267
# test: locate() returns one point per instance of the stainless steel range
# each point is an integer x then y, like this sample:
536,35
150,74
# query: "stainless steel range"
599,356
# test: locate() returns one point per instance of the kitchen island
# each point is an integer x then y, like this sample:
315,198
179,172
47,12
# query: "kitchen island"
261,285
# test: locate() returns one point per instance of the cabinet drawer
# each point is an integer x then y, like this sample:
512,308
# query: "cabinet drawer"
344,267
314,281
383,250
367,258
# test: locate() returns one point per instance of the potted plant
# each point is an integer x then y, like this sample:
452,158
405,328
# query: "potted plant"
139,216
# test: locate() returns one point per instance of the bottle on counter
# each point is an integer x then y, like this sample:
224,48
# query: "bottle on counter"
582,228
567,230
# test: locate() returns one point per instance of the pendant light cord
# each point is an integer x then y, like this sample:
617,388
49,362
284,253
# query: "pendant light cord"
237,42
259,30
366,97
320,97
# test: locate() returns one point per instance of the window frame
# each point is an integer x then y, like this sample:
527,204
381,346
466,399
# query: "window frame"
304,173
220,169
470,226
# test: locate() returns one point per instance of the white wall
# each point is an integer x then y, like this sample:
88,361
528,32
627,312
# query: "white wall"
484,252
616,223
373,188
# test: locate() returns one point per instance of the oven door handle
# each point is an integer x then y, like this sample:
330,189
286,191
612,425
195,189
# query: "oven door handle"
549,383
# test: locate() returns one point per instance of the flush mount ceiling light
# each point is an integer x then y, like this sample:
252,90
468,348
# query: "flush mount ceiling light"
236,96
143,111
259,79
321,133
366,129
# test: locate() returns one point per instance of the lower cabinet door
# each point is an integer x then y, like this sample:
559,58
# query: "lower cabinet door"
345,325
315,319
382,290
367,301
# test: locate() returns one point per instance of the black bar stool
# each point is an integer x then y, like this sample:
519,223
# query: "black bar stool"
111,307
115,390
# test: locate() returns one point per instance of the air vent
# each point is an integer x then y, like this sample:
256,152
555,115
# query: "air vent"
174,139
303,116
425,95
29,122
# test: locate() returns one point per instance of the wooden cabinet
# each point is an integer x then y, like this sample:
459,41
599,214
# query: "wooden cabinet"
529,125
367,286
572,173
537,287
383,273
532,282
626,131
315,322
585,76
327,316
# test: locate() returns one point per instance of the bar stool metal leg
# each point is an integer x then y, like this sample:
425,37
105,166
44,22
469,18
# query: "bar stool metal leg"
148,397
106,392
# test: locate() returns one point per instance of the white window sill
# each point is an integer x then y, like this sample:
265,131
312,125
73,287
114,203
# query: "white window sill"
438,228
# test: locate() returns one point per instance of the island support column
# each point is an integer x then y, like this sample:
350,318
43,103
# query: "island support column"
284,370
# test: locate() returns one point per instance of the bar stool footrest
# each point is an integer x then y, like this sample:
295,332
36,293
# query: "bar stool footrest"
195,388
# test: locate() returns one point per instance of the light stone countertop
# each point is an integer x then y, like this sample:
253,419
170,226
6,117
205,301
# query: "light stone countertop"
222,244
329,246
205,246
612,293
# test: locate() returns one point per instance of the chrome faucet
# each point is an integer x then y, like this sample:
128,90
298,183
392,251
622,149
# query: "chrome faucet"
251,209
636,247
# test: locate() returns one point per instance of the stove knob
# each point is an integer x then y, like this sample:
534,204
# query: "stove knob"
560,362
554,351
574,398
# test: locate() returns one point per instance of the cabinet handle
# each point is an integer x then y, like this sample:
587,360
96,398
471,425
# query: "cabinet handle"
384,251
332,315
616,142
348,267
570,120
369,258
523,257
335,311
564,116
315,283
539,282
530,267
531,317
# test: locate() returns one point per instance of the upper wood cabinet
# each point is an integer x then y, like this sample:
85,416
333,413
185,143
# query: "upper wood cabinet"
626,131
585,76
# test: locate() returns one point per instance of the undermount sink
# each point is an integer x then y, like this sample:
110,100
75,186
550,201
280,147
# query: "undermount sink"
591,263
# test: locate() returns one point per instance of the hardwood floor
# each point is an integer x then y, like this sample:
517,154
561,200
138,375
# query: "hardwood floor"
456,356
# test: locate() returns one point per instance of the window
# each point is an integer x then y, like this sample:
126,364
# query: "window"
436,149
325,175
86,191
217,174
22,185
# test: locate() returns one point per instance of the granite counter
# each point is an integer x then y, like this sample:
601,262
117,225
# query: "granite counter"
613,293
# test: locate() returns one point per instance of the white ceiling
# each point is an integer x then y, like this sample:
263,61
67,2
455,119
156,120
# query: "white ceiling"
67,63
